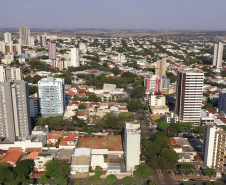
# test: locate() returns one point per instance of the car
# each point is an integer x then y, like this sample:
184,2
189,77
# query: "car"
199,179
211,179
219,179
192,179
184,179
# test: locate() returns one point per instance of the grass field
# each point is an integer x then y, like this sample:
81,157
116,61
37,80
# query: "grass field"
155,118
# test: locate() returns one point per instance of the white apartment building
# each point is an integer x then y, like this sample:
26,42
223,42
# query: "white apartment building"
82,47
189,95
214,147
132,145
157,100
51,96
10,73
170,117
75,60
7,37
218,54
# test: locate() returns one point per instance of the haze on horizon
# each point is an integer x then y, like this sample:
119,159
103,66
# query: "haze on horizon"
114,14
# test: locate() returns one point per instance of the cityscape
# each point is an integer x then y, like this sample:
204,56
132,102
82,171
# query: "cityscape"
119,105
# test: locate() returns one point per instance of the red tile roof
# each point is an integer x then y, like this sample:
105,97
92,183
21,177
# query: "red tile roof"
70,93
11,149
33,150
80,114
32,155
81,90
88,94
55,134
68,137
74,86
83,86
80,94
12,156
213,111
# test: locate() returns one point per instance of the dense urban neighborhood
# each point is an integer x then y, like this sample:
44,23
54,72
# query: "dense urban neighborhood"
112,110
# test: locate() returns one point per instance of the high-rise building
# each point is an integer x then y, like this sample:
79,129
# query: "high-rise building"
82,47
31,41
2,47
7,37
43,40
17,49
121,57
222,101
152,83
51,96
132,145
75,60
52,50
10,73
15,121
161,67
218,54
189,95
214,145
25,35
34,105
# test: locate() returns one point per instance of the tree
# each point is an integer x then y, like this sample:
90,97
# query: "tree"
143,171
78,182
5,172
133,105
186,183
115,132
187,168
163,126
33,90
52,167
85,128
170,153
60,179
127,180
99,172
98,168
147,106
94,179
43,179
24,167
162,139
116,71
111,179
154,183
90,130
209,172
94,98
142,117
209,105
81,106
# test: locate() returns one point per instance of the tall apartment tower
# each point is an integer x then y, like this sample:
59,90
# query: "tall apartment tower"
2,47
51,96
7,37
132,145
15,121
161,67
52,50
121,57
43,41
218,54
10,73
25,35
75,60
189,95
214,147
222,101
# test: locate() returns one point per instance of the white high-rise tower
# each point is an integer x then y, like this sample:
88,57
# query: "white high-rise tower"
7,37
218,54
75,57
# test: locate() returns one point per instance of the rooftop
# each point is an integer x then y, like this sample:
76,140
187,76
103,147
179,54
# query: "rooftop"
80,160
12,156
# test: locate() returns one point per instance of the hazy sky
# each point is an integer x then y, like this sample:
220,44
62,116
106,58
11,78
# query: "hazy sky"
137,14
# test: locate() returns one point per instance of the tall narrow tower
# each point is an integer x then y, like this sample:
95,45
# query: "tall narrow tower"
25,35
75,57
52,50
218,55
7,37
161,67
189,95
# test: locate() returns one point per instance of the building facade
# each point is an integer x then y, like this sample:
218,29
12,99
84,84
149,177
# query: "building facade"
51,96
15,121
25,35
43,41
214,147
161,67
218,54
10,73
189,95
222,101
75,60
7,37
52,50
132,145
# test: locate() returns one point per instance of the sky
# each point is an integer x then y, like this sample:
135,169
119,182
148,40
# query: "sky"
114,14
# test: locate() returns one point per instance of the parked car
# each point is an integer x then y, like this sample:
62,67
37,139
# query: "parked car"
199,179
192,179
184,179
211,179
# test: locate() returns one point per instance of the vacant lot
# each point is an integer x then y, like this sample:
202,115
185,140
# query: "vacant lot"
155,118
110,142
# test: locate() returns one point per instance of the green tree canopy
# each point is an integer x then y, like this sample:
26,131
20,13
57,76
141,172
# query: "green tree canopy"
94,98
81,106
99,172
5,172
147,106
209,172
111,179
43,180
170,153
95,179
24,167
152,183
162,139
187,168
163,126
133,105
143,171
127,180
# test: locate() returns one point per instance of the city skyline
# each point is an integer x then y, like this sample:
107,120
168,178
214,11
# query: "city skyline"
186,14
